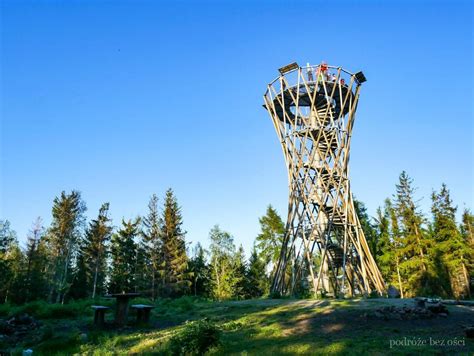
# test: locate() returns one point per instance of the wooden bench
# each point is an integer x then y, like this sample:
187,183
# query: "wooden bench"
143,312
99,314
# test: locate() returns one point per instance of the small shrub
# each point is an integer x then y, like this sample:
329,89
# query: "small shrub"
196,338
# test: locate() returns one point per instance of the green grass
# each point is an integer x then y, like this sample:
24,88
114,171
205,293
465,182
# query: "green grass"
253,327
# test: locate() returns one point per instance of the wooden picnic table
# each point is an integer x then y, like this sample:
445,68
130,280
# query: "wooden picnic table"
121,310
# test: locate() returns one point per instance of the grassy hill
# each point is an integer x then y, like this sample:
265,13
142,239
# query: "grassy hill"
251,327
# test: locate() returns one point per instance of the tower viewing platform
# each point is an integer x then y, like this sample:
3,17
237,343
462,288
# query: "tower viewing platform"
319,86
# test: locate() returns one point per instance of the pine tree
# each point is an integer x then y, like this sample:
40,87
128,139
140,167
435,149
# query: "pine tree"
199,271
270,239
64,237
152,243
95,252
222,268
450,249
124,252
174,267
258,283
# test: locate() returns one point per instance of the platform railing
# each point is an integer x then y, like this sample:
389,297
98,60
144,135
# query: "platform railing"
293,78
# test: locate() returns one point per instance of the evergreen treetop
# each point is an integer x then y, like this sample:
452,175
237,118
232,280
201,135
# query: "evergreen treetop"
123,252
174,266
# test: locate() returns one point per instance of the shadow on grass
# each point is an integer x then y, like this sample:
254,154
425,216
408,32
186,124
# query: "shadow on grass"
330,329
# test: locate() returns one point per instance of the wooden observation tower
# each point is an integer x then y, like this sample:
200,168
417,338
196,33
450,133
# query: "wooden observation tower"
313,110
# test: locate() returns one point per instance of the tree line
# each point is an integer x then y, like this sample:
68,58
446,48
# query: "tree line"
75,259
418,254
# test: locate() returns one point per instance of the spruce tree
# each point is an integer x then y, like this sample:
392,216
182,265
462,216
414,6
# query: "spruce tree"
80,287
95,251
152,244
16,284
7,243
174,266
367,227
257,281
397,243
142,268
270,239
384,252
7,236
64,237
467,227
199,271
36,256
413,263
124,252
467,233
240,274
450,249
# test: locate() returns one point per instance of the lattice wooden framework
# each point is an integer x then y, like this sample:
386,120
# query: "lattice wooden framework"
313,110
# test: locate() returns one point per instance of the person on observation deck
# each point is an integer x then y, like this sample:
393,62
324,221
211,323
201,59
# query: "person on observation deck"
321,73
309,72
324,67
324,70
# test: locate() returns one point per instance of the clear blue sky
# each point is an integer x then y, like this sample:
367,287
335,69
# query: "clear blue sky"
123,99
